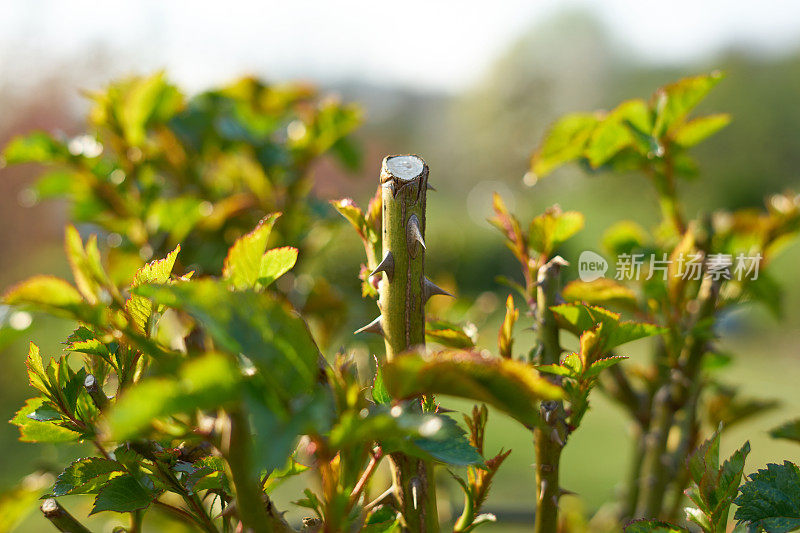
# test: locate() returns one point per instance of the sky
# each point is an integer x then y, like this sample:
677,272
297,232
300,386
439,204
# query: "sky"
428,44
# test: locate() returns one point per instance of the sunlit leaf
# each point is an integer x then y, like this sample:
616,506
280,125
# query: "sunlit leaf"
206,382
673,102
552,228
699,129
139,307
564,142
245,258
507,384
85,476
275,263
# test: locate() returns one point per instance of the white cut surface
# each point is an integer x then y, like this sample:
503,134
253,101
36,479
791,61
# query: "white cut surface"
405,167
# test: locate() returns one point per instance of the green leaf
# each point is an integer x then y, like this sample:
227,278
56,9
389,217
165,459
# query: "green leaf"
771,499
37,431
579,318
275,263
564,142
383,519
652,526
122,494
139,307
245,258
379,392
206,382
259,326
448,334
697,130
85,476
673,102
602,291
622,128
509,385
349,210
602,364
714,487
36,374
789,430
552,228
450,444
47,293
84,265
36,147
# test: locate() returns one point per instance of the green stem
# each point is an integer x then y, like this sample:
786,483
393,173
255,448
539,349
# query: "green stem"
249,502
60,518
548,438
403,293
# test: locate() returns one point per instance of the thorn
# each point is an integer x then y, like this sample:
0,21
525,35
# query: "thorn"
373,327
543,484
386,265
555,437
414,236
430,187
414,490
554,499
429,289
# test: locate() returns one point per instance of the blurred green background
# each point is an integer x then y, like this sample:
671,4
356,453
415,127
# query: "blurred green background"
476,125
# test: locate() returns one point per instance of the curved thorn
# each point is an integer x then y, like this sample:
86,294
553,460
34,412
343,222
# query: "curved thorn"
430,187
386,265
414,236
543,484
373,327
431,289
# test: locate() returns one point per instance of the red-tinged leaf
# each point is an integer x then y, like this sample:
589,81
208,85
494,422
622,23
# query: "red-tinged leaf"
509,385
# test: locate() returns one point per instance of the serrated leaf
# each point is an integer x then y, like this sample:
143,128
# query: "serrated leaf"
275,263
789,430
36,374
673,102
379,392
83,265
122,494
85,476
699,129
244,260
509,385
37,431
564,142
206,382
770,499
139,307
579,318
263,328
602,364
552,228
